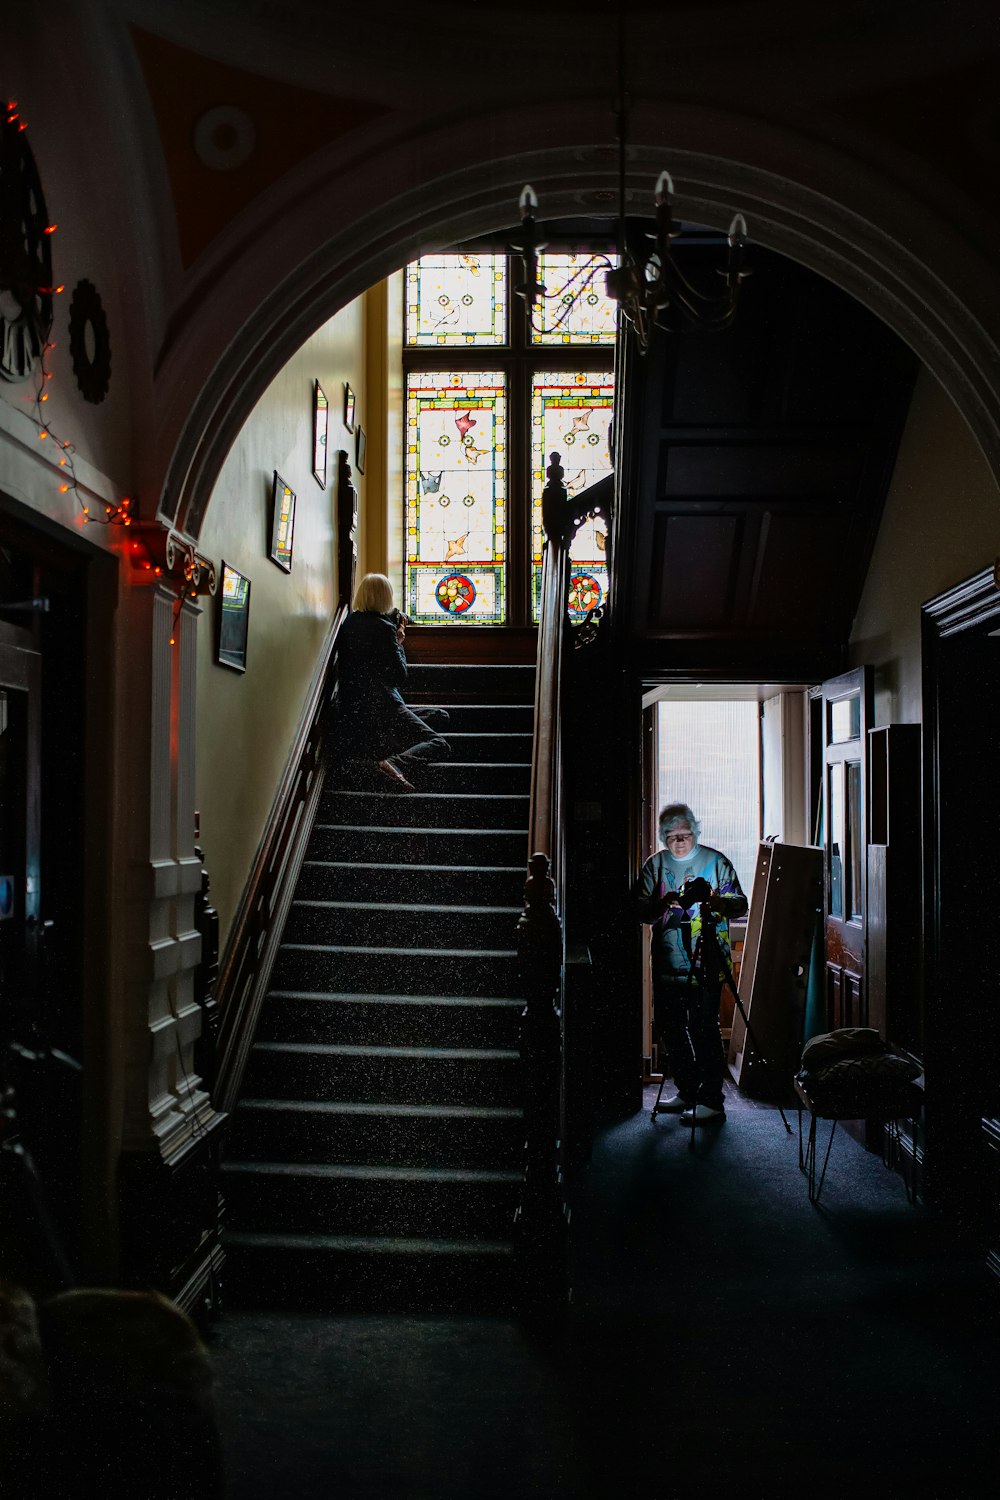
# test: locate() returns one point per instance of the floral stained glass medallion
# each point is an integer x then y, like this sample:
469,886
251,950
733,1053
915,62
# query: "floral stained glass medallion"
456,495
571,415
456,301
582,313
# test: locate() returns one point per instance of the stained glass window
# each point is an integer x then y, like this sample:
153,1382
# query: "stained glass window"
571,415
456,495
456,300
583,313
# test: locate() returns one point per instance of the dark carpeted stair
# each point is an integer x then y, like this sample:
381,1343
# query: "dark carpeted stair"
375,1155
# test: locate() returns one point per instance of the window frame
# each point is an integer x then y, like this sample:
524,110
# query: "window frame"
519,359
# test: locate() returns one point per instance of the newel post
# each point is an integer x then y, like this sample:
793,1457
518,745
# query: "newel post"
347,526
540,1222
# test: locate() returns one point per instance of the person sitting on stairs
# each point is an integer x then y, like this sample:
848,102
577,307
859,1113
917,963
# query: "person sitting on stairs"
669,893
375,725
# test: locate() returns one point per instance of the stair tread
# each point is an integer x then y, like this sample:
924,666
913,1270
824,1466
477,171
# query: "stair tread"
499,1002
382,1244
418,796
359,1049
403,952
401,1111
365,864
401,906
387,828
358,1173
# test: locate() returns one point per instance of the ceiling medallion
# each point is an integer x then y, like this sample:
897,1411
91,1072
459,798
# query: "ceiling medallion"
224,138
89,342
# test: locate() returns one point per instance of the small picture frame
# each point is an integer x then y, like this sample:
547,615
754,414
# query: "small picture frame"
360,448
348,407
321,425
282,523
233,619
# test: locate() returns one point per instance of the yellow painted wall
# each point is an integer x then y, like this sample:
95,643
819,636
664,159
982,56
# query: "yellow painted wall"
246,722
941,524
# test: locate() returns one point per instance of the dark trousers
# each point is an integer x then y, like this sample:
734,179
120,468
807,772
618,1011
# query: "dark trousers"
686,1020
417,734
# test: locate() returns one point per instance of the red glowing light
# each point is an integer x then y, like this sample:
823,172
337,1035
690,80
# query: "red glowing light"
63,488
50,228
42,434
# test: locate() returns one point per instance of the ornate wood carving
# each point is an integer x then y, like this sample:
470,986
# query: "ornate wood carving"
173,558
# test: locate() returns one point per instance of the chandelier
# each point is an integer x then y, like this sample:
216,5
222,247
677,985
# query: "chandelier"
647,283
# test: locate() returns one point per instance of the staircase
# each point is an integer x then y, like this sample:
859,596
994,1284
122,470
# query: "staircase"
374,1158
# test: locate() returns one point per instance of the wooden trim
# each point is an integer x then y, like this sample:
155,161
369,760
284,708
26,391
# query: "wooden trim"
444,645
245,969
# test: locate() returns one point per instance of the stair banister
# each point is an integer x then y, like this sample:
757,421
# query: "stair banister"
541,1219
253,940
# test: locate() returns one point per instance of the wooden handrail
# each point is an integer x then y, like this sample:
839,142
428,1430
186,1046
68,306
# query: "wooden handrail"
541,1218
245,968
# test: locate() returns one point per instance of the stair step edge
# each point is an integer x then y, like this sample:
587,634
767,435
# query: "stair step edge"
489,1002
479,1112
400,952
367,1244
404,906
351,1172
369,864
357,1049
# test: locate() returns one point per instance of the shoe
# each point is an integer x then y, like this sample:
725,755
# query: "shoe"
701,1114
674,1106
396,776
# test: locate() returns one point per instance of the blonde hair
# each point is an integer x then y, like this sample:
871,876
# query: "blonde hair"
374,594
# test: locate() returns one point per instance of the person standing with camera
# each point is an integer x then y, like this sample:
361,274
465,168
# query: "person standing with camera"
673,885
375,725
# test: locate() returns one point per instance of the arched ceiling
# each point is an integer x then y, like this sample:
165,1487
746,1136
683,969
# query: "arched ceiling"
856,137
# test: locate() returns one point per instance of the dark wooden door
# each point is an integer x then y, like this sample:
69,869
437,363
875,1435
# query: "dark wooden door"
20,832
846,718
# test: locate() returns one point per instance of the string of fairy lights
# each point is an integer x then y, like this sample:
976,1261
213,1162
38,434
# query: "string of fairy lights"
124,512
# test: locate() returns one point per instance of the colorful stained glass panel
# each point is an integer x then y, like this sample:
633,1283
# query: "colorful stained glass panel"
581,312
456,300
456,495
571,415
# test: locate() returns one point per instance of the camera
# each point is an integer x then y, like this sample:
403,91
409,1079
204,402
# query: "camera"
398,618
694,890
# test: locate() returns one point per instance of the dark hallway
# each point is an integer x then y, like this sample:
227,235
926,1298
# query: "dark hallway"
723,1334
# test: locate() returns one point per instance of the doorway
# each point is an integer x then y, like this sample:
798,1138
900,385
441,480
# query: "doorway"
55,788
734,752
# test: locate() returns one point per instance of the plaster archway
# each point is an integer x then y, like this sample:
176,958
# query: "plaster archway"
297,257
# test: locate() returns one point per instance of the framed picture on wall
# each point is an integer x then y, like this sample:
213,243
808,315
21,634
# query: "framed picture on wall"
348,407
321,424
360,448
282,523
233,619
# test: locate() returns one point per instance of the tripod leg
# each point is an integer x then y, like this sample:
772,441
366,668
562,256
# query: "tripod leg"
751,1038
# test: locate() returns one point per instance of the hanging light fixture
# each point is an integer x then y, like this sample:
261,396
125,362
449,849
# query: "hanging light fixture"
650,289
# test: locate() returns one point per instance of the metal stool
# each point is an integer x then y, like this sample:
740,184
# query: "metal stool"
900,1101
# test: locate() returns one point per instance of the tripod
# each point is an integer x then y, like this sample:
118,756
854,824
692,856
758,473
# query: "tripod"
708,957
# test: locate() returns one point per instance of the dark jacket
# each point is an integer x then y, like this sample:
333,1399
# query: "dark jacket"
374,722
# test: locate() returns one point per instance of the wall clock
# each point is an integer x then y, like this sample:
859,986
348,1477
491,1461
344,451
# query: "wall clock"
25,255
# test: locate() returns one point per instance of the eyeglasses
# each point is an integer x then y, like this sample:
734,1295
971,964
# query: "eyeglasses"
679,837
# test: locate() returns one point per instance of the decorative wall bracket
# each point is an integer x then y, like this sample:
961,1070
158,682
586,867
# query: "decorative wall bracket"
172,559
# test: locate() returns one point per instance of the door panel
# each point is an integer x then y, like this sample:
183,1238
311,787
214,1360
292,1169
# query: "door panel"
19,833
846,718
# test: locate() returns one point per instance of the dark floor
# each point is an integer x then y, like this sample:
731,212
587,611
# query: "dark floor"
723,1333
